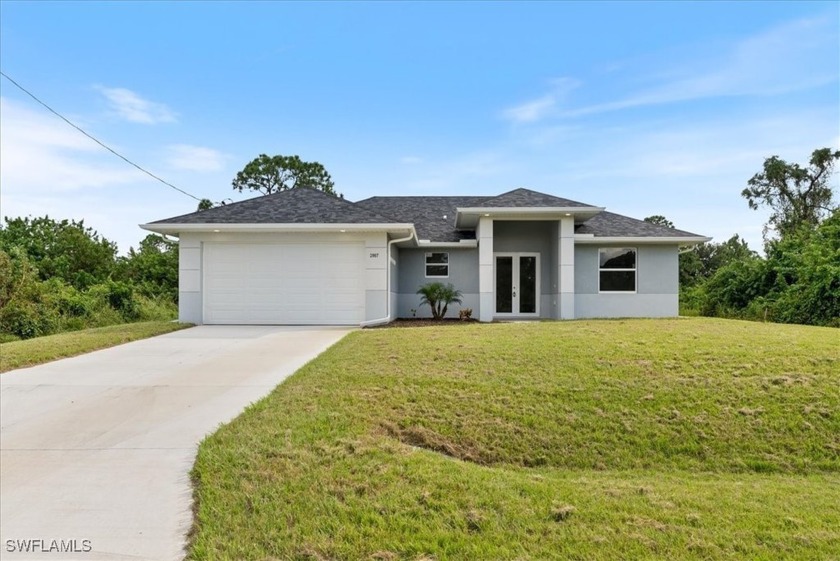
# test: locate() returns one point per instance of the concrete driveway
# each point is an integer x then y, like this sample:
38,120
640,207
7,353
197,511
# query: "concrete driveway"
96,450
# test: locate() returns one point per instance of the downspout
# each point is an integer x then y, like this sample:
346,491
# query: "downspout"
387,318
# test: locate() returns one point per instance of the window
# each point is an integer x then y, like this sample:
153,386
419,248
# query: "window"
617,269
437,265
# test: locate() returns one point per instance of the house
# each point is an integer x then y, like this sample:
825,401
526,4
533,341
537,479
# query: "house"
304,257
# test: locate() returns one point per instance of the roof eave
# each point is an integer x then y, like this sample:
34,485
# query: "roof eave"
178,228
467,215
678,240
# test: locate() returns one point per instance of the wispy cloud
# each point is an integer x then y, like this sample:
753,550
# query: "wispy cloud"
132,107
544,106
41,154
411,160
782,59
195,158
49,168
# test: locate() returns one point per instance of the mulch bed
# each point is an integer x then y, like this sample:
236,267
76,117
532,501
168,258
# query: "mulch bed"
425,322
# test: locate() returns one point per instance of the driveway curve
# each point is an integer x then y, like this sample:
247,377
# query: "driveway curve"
95,450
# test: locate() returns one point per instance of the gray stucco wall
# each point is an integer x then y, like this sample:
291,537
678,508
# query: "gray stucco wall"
463,274
657,284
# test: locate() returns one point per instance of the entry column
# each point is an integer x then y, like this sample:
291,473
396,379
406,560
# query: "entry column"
486,301
566,273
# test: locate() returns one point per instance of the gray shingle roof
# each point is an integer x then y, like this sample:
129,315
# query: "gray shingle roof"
433,217
609,224
527,198
295,206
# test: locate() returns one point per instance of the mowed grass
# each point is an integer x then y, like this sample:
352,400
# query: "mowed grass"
627,439
29,352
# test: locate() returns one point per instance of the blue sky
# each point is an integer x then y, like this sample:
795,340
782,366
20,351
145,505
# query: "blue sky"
645,108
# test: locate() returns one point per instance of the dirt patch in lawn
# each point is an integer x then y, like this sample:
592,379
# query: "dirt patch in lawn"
421,437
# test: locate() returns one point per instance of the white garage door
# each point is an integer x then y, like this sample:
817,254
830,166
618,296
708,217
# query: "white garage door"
290,283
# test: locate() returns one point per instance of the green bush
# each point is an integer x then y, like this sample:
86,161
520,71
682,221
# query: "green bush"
798,281
155,309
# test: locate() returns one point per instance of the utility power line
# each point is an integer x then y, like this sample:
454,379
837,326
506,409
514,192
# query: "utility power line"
96,140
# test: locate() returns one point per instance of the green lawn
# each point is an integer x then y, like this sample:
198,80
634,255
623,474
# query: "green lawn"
30,352
628,439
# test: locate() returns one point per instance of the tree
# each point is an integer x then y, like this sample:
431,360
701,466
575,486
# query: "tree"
271,174
438,296
153,266
207,204
795,195
660,220
706,258
65,249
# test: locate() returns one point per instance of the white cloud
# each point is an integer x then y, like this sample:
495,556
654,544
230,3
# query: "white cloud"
787,58
50,169
531,111
195,158
411,160
130,106
42,155
543,106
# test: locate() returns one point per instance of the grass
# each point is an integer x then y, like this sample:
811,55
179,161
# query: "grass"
683,439
19,354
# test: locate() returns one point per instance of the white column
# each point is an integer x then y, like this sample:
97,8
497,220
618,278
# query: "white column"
486,299
189,279
566,272
376,276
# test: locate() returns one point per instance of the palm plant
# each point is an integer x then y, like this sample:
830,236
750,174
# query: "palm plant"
439,296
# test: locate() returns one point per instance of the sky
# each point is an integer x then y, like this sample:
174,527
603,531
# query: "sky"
642,107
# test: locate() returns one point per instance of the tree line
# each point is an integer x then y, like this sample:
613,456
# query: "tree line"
797,280
60,275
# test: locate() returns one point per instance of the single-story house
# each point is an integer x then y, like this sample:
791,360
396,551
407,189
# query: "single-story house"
305,257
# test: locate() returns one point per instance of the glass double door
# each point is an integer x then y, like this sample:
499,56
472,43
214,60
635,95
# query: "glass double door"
517,284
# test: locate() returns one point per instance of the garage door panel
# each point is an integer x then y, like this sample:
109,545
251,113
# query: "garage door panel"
284,283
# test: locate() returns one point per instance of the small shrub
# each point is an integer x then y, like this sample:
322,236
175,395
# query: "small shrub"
465,314
439,296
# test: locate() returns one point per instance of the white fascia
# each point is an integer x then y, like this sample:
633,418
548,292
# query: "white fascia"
684,240
175,229
529,209
461,244
524,213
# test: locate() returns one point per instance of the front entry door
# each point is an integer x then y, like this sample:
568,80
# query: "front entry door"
517,284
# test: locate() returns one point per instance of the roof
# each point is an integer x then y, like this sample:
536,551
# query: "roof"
295,206
527,198
433,217
609,224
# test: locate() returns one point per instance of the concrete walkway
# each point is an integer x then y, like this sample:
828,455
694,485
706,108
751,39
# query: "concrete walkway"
96,450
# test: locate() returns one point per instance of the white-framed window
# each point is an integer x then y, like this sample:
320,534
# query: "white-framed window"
617,269
437,264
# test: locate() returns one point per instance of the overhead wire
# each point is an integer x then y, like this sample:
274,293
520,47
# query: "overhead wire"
96,140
